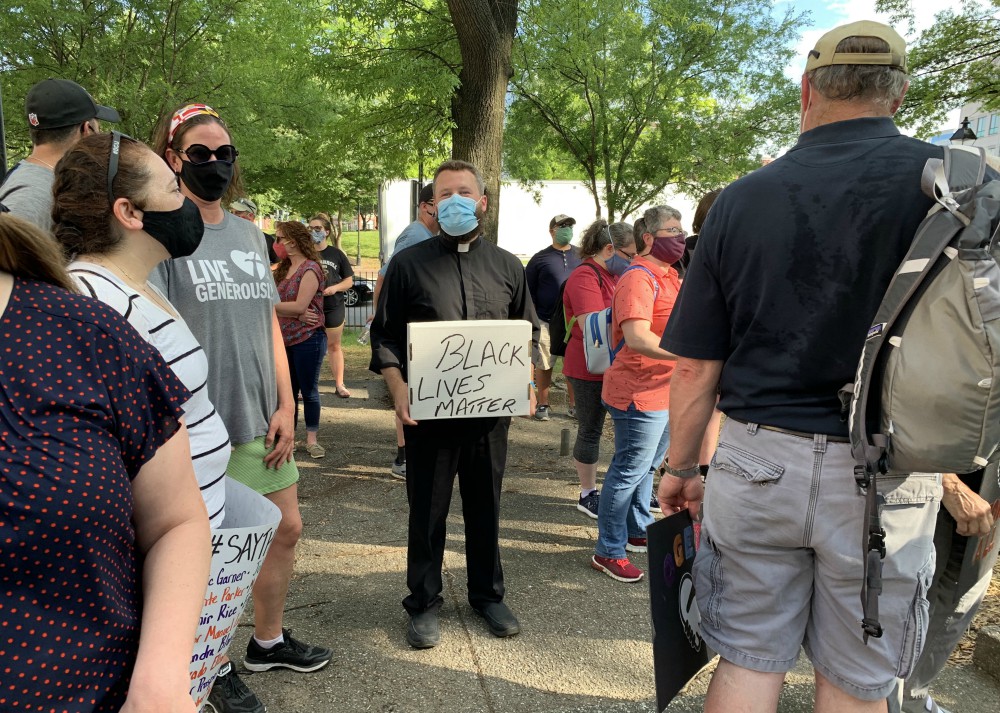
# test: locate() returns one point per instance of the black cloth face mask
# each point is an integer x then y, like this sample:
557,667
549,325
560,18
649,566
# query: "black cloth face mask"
179,231
208,181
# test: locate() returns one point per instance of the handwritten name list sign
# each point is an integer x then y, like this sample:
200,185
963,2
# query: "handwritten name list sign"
238,551
469,369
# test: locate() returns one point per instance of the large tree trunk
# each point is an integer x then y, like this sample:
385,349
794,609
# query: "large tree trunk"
485,31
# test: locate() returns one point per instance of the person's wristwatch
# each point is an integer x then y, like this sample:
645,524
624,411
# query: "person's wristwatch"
686,473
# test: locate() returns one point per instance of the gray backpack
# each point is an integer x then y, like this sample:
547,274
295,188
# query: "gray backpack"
926,398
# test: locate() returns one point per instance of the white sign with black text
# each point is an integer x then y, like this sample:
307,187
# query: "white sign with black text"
469,369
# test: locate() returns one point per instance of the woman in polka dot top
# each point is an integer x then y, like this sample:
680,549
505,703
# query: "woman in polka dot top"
103,533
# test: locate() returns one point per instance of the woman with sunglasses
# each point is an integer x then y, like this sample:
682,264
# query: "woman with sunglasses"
589,288
339,279
300,286
106,541
226,293
636,390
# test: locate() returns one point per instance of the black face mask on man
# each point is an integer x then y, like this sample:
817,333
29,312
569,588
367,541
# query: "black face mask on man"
208,180
179,231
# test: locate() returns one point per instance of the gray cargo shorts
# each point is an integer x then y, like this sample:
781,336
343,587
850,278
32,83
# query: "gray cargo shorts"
780,564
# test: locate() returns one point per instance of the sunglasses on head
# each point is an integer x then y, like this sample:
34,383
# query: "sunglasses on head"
199,153
116,150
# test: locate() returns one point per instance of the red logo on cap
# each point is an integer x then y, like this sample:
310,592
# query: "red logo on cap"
33,119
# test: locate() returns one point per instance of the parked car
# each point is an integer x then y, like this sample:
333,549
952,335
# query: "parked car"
361,292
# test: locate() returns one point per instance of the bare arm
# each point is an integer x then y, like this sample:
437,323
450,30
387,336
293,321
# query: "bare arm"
308,286
693,389
342,286
172,532
281,430
640,338
400,398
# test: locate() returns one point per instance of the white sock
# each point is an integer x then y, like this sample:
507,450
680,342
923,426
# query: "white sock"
269,644
585,493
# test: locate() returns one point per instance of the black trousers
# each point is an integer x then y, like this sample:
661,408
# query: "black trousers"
475,450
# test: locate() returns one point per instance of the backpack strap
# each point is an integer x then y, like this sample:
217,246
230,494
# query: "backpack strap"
656,294
961,169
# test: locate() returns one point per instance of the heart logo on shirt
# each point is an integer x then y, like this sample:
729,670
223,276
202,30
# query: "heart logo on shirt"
248,262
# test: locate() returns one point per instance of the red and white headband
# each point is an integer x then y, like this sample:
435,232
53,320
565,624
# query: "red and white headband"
186,114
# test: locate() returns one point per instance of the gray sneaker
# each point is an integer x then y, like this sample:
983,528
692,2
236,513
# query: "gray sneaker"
542,413
399,470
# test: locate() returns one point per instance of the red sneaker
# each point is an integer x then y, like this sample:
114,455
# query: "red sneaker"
636,544
622,570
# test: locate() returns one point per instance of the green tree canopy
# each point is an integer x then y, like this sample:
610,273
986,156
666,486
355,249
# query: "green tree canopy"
952,62
647,93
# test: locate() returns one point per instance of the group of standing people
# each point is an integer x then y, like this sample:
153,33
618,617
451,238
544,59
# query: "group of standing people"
176,339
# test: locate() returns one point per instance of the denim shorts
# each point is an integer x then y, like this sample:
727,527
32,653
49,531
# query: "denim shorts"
781,560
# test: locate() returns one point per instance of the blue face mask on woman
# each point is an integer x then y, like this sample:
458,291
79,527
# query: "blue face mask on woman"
616,265
457,215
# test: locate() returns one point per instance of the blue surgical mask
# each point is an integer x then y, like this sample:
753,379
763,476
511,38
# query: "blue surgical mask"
457,215
616,265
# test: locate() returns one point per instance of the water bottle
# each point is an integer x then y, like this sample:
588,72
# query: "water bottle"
365,334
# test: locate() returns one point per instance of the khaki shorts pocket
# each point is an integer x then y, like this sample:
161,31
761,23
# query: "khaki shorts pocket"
917,619
748,465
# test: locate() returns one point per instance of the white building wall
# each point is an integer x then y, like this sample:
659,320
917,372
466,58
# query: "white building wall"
524,221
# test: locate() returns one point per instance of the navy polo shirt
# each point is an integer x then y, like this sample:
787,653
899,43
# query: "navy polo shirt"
546,272
791,266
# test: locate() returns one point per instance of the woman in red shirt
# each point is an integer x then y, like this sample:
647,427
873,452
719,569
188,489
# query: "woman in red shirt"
589,288
637,391
300,286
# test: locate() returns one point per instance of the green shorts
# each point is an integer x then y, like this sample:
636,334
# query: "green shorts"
246,464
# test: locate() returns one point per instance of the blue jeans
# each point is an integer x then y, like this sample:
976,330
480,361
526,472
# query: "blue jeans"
641,439
304,362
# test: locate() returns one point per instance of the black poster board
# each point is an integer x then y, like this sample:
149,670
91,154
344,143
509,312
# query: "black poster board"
678,651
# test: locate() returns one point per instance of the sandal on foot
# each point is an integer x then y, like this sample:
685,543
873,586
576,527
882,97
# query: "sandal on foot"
342,392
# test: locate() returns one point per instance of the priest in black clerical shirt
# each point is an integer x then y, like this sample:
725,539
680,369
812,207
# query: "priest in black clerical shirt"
456,275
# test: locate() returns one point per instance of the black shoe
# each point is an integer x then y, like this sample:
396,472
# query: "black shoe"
291,653
499,618
423,631
230,695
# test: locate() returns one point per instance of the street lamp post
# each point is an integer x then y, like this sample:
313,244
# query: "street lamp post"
964,133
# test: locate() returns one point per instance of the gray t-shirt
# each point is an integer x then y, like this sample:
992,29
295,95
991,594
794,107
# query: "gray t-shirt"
226,295
28,194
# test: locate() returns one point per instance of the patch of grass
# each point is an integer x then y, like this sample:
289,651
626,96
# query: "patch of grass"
369,243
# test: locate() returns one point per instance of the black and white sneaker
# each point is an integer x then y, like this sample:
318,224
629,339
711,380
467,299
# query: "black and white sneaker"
588,505
291,653
230,695
399,470
654,504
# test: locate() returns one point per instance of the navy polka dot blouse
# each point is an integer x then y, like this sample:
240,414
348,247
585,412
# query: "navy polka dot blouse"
84,403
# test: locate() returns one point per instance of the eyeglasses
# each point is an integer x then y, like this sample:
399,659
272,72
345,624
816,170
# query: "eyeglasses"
629,256
199,153
670,232
116,148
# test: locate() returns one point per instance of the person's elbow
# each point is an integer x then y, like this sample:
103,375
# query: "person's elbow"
700,372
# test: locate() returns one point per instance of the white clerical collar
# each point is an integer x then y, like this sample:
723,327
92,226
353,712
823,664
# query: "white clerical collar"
463,247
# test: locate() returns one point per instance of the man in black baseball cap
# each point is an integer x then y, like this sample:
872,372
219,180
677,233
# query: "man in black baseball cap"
59,112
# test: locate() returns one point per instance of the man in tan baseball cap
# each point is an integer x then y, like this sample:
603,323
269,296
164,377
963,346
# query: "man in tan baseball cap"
766,326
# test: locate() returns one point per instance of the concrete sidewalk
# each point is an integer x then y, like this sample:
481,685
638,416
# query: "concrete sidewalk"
585,644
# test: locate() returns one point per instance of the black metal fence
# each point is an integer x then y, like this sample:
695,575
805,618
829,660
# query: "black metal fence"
360,298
